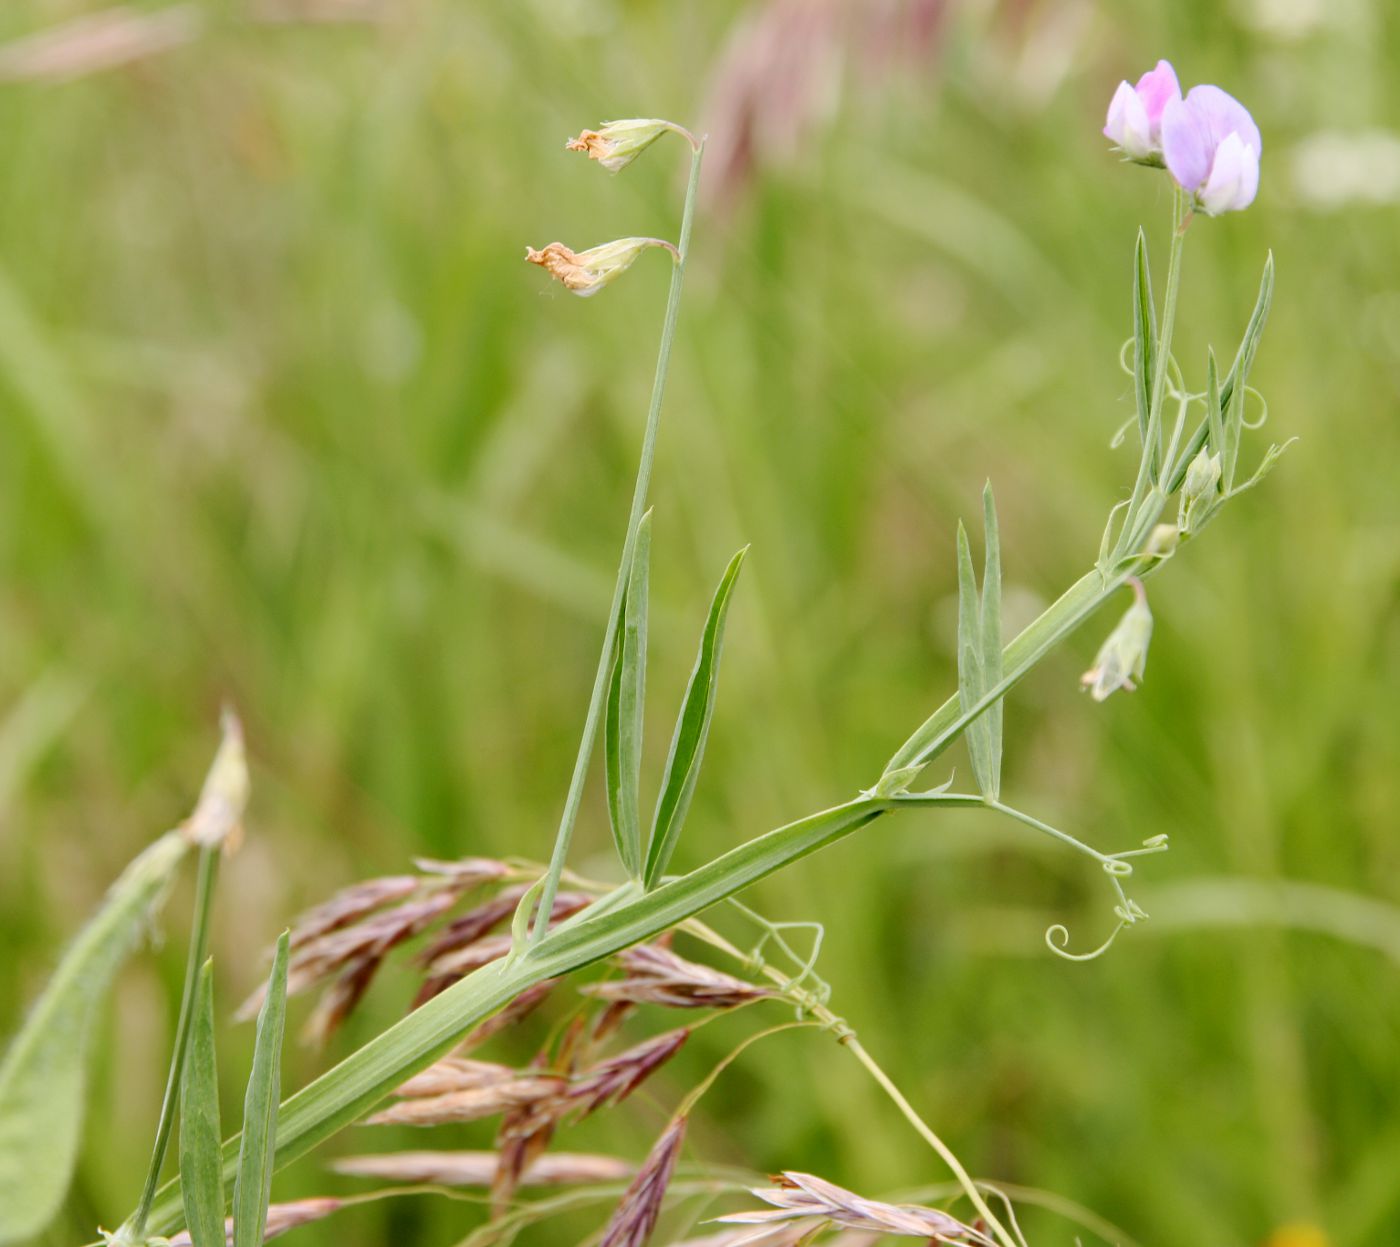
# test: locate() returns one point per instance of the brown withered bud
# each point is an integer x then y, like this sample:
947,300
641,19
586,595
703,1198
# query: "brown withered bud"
804,1197
479,1168
280,1219
587,272
656,975
350,905
635,1217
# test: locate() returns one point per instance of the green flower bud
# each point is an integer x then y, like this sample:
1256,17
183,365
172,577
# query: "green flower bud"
1199,490
1123,656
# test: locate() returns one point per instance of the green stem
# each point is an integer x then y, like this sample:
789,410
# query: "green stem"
639,498
199,942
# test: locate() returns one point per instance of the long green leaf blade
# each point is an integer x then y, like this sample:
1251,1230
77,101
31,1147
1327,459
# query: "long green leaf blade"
252,1188
201,1141
626,698
692,729
971,682
1144,334
990,644
43,1076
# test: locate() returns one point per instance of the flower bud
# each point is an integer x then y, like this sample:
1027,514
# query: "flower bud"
619,143
1162,540
587,272
1122,657
1198,490
1135,114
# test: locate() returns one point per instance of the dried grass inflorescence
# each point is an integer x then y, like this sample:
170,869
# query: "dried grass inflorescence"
341,944
479,1168
635,1217
280,1219
805,1198
656,975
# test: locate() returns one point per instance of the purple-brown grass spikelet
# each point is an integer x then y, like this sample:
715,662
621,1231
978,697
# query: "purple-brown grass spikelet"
280,1219
479,1168
656,975
635,1217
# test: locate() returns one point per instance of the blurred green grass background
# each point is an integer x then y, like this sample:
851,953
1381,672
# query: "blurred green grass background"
286,420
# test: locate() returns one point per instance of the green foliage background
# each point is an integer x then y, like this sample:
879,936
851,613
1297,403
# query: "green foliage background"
285,419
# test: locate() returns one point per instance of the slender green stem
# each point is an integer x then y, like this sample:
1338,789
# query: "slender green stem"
199,942
927,1133
639,498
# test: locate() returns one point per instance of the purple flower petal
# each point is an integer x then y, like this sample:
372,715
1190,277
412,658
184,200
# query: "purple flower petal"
1127,123
1186,144
1222,115
1156,89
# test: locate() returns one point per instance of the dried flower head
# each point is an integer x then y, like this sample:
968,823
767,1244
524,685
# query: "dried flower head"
587,272
802,1196
635,1216
618,143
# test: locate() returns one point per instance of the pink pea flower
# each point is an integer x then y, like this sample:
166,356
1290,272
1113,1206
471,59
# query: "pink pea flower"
1212,148
1135,113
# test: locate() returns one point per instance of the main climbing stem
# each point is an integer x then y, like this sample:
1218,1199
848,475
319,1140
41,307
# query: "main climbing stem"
598,696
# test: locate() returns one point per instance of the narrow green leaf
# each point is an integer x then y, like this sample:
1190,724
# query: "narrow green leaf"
1237,377
252,1187
201,1142
990,647
692,729
626,697
1214,419
970,675
612,753
1144,334
43,1075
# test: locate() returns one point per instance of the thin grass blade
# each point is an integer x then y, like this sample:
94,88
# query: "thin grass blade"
971,683
990,645
201,1141
252,1187
1144,336
692,729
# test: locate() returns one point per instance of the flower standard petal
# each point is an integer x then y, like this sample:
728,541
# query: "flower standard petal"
1156,89
1186,145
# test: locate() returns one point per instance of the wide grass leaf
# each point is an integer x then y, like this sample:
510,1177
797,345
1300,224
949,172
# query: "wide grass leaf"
201,1142
44,1074
252,1187
692,730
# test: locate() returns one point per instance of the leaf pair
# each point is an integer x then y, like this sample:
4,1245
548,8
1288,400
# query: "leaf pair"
979,650
201,1160
622,735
